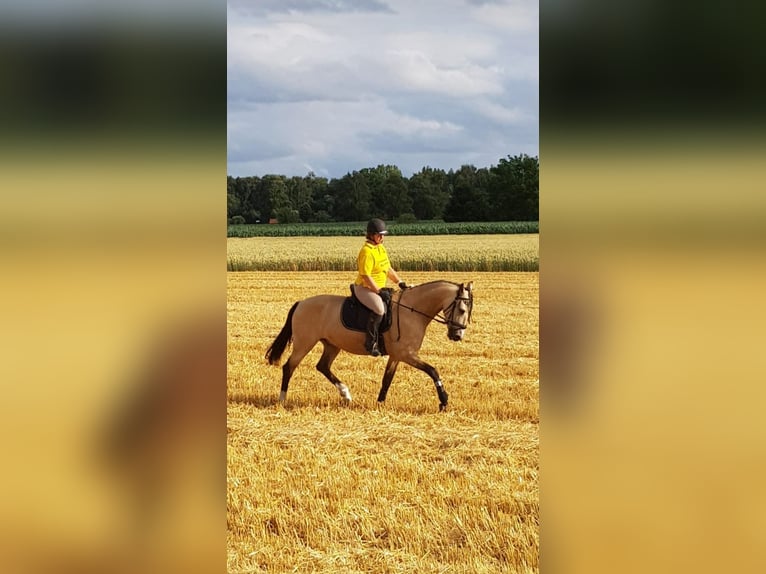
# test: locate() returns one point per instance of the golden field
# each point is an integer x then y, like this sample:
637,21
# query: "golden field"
412,253
317,486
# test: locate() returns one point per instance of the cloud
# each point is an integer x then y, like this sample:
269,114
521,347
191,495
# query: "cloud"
512,16
502,114
337,137
414,70
484,2
260,7
256,146
431,82
323,133
295,61
408,134
290,61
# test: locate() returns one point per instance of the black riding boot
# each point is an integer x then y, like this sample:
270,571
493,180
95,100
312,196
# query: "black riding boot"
371,343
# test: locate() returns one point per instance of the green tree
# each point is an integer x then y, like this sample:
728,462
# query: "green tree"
430,193
388,191
324,205
317,188
300,194
322,202
287,215
274,195
233,203
507,191
470,196
396,199
515,188
241,198
351,197
375,178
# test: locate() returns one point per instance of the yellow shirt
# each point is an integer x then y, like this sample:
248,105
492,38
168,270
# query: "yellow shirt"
373,261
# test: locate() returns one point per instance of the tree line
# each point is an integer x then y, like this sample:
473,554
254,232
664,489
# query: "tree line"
508,191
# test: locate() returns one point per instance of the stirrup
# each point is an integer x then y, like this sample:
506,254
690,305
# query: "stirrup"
372,349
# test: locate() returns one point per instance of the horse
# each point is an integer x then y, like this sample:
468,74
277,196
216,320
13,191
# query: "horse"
318,319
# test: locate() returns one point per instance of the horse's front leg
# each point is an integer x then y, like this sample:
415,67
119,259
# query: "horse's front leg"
434,374
388,376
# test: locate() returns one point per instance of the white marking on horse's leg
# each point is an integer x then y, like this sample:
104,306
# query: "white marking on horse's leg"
282,396
439,384
343,390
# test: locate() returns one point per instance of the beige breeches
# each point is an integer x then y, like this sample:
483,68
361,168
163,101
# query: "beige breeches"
369,299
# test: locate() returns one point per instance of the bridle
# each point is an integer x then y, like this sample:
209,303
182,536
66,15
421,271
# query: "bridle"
447,315
452,307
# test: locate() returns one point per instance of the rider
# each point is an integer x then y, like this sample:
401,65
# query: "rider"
374,268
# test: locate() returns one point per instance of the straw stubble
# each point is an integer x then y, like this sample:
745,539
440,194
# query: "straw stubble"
316,486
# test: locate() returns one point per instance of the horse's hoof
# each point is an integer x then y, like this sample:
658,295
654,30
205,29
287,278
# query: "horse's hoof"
442,407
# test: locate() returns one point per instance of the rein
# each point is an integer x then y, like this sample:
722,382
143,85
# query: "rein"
440,317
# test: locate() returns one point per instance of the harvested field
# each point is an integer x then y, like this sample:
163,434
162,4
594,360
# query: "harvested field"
317,486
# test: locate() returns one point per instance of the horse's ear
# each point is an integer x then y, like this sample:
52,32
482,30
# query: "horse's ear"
469,286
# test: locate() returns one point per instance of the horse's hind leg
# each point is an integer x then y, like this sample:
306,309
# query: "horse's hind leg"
324,364
299,352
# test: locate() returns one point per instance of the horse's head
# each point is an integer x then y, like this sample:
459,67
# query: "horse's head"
458,314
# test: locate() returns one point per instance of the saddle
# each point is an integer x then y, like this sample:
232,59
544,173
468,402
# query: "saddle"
354,317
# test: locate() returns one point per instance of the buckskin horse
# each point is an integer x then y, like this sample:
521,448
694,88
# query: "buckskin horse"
319,319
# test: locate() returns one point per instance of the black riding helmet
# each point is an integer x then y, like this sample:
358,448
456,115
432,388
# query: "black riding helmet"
376,226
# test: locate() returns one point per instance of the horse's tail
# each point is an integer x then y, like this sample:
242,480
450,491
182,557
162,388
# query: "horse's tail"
274,353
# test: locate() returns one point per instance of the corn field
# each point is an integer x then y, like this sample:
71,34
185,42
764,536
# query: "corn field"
320,486
357,228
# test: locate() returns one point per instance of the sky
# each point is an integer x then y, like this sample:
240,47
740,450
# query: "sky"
335,86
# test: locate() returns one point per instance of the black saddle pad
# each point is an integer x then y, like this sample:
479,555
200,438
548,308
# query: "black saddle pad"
354,317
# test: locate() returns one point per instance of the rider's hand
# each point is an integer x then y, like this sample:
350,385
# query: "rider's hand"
402,285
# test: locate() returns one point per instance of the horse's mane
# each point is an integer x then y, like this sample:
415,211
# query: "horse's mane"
436,281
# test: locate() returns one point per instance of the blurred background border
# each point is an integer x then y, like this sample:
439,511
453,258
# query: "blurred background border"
652,279
112,242
652,275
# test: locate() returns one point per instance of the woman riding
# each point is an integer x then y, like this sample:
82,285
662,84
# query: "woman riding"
374,269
